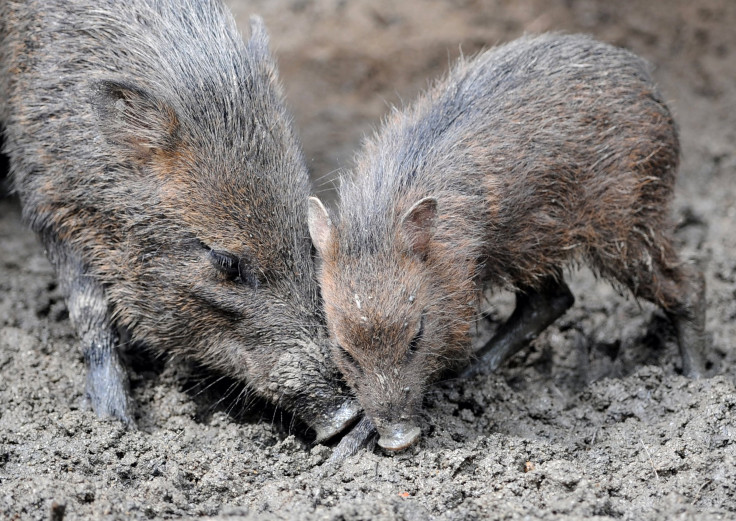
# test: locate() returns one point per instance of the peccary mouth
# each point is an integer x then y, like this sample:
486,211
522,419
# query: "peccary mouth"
332,422
398,436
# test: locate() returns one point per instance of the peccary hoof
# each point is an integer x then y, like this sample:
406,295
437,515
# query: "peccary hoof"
360,436
107,392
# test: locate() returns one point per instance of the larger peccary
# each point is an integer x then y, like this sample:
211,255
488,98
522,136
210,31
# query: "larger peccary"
548,151
154,156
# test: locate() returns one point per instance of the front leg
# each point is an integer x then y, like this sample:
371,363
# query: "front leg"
535,311
107,381
359,437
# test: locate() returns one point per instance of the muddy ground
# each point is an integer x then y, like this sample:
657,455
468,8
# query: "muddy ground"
593,421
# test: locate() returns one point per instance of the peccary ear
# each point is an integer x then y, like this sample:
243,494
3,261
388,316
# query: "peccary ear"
417,225
134,119
258,44
259,40
260,54
320,225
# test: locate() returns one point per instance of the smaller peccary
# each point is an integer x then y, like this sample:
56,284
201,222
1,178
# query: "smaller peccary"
545,152
154,156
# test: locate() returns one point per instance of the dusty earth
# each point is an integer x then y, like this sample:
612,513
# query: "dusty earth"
593,421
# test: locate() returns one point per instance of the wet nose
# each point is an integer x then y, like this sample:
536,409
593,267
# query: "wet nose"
397,436
333,422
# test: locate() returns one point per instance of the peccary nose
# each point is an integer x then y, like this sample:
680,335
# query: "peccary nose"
397,436
333,422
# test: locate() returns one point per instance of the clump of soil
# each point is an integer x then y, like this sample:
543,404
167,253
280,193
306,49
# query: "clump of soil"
592,421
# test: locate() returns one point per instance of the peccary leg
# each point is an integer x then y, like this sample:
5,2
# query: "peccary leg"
359,437
107,381
679,290
535,311
689,321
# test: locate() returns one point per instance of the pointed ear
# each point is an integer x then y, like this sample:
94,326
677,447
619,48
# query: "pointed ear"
259,40
320,225
417,225
258,49
135,120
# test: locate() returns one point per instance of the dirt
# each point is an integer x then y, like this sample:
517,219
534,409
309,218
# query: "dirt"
593,421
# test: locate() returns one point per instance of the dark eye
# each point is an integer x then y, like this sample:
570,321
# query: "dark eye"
233,267
413,345
225,262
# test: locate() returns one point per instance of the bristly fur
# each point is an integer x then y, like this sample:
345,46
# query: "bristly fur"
142,136
547,151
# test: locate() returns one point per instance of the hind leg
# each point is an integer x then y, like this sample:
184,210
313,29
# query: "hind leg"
535,310
689,321
107,381
679,289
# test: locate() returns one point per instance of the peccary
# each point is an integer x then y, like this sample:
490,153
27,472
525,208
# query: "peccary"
155,158
545,152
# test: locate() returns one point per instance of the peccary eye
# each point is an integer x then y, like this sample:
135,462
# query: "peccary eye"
225,262
233,267
413,345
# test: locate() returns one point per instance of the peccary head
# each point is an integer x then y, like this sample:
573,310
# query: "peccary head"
392,329
208,254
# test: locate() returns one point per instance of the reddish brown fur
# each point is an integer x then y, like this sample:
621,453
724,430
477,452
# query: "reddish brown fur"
543,153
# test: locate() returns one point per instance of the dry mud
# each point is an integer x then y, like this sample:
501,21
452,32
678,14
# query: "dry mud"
592,421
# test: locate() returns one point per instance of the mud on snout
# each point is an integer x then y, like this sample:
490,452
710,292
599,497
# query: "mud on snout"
392,404
305,381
